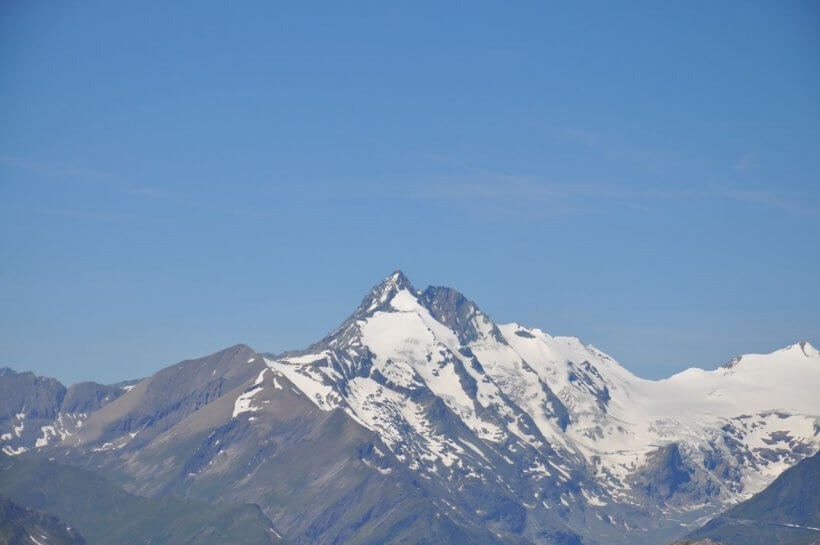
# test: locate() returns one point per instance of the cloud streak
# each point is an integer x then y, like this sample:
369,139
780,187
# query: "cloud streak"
107,181
479,184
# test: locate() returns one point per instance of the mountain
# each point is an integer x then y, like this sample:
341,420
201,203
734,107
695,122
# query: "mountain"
225,429
787,512
558,424
104,513
21,526
420,420
36,410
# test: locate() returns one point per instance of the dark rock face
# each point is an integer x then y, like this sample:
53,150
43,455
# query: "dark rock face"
38,410
25,393
664,474
457,312
557,409
785,512
28,403
87,397
22,526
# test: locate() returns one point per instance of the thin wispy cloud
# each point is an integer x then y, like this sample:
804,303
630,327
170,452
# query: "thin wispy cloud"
106,181
612,146
483,184
79,214
457,183
57,171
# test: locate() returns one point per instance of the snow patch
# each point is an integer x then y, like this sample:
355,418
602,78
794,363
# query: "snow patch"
243,402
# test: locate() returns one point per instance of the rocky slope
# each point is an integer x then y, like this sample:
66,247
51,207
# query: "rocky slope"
104,513
787,512
37,410
22,526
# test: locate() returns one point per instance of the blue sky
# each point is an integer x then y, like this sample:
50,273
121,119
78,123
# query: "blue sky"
176,178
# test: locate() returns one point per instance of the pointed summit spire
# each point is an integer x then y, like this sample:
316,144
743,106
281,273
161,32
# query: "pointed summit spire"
377,299
386,289
398,279
381,294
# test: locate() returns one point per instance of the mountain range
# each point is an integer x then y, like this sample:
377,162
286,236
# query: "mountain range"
420,420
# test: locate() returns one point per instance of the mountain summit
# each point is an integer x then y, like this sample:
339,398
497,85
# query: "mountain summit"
384,291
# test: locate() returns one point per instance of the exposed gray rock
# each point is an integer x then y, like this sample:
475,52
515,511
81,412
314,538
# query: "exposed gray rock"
458,313
22,526
87,397
664,475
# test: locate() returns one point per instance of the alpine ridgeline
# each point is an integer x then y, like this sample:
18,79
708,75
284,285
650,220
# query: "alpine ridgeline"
420,420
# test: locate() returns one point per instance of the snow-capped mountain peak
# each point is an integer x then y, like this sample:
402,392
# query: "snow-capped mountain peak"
548,401
383,292
802,348
445,305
